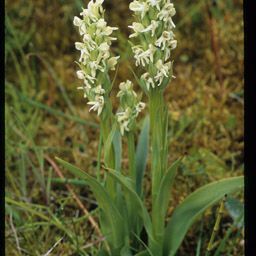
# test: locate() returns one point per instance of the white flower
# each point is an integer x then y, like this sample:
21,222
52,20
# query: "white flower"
125,88
154,3
166,14
94,66
89,42
112,62
103,29
84,52
104,47
163,68
77,21
164,39
80,46
140,7
163,71
101,23
108,31
97,104
102,56
143,57
98,90
148,80
137,27
167,11
127,117
137,50
94,10
139,107
152,27
80,74
173,44
123,118
80,24
88,80
170,46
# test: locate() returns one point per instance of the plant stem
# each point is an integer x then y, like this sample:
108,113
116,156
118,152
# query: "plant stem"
109,159
131,156
216,226
158,130
156,112
99,156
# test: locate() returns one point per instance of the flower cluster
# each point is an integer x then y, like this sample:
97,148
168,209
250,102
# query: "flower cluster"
130,107
153,30
95,59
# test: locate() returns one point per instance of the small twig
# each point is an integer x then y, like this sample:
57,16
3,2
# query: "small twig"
48,253
216,225
15,234
78,201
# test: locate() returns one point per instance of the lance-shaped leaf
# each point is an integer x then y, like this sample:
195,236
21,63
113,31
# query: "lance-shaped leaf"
194,205
163,196
138,204
105,202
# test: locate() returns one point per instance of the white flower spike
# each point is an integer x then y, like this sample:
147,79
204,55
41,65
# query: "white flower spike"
130,107
153,52
95,57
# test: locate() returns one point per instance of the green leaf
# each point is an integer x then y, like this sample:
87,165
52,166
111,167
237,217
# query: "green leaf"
137,203
194,205
144,253
111,213
163,196
141,154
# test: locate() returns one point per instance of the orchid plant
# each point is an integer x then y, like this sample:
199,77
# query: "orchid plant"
123,213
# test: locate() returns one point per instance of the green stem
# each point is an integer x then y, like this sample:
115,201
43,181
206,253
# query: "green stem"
158,124
156,112
131,156
109,159
216,226
99,156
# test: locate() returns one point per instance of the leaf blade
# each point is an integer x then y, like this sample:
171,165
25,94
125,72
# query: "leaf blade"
162,197
104,200
127,185
186,213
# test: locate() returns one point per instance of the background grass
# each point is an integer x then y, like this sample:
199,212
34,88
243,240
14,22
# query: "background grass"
45,116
